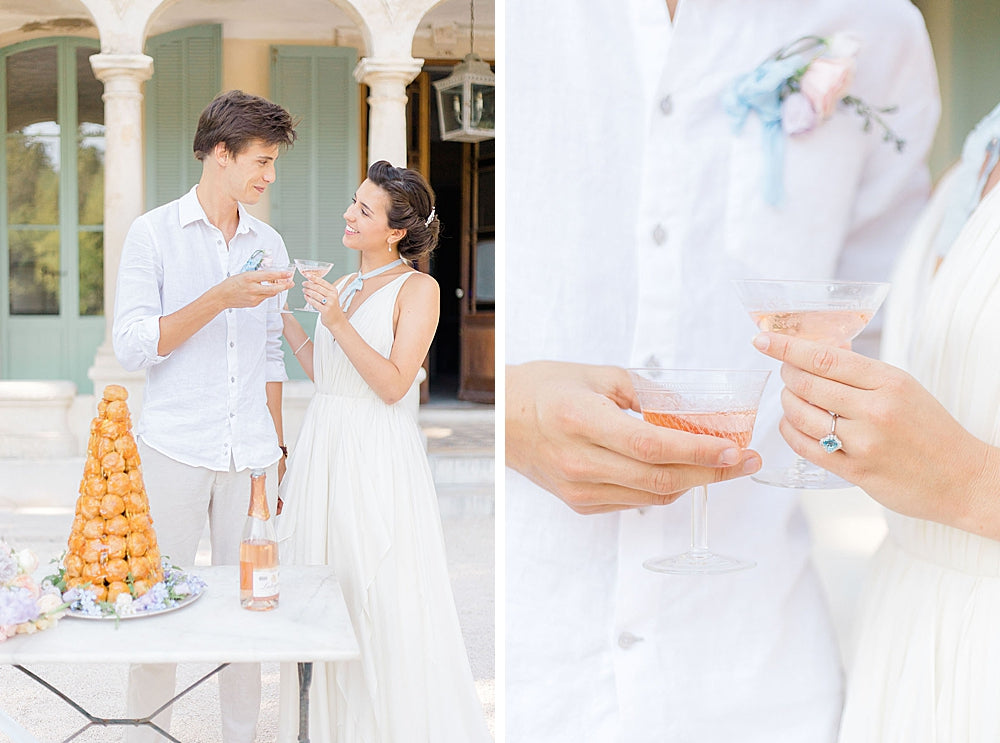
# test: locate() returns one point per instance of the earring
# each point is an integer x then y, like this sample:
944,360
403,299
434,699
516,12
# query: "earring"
390,245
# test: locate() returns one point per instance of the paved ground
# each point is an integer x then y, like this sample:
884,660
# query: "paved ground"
470,541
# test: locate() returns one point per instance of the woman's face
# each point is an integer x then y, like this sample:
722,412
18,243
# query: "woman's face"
367,220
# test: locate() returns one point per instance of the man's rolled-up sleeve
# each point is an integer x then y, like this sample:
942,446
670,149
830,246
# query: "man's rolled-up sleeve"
138,305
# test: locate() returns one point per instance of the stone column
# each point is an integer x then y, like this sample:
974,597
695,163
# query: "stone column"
387,80
122,75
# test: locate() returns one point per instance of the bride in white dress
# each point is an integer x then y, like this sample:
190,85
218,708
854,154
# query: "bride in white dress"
927,446
358,494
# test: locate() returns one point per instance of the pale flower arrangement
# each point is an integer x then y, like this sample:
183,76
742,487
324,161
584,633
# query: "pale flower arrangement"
796,89
175,588
26,606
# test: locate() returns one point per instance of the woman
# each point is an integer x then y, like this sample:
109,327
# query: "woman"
359,495
926,446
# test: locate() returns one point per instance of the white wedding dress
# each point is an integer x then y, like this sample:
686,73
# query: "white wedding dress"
359,496
927,665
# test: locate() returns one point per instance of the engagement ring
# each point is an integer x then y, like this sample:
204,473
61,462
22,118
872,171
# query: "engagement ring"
831,442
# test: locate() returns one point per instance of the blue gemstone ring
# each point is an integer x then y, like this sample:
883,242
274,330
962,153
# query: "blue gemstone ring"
831,442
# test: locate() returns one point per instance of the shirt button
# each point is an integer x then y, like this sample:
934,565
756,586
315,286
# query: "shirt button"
651,362
659,234
232,344
232,379
666,105
627,640
232,415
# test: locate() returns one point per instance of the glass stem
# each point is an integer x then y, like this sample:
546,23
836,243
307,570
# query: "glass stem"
699,520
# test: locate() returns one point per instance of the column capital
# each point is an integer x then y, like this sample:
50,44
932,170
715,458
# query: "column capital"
136,66
371,69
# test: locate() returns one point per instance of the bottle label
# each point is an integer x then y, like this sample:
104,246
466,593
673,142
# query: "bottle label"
265,583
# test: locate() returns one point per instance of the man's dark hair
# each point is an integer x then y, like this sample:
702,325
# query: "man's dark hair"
238,118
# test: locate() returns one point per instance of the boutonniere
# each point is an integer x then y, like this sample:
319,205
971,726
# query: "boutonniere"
258,259
796,89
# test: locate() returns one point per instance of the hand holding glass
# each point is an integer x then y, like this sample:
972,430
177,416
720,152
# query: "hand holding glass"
830,312
705,401
312,270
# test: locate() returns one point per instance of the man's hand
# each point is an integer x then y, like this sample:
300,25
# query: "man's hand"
567,431
250,288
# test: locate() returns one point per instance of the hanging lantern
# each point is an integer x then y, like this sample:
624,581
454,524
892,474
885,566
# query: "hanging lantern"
467,98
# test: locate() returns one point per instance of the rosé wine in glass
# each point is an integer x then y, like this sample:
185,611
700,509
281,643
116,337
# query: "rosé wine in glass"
832,327
701,401
829,312
735,425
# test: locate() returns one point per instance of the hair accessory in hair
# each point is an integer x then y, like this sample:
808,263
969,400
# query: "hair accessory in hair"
430,217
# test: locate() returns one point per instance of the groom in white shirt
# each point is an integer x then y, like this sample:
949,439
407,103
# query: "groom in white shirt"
207,331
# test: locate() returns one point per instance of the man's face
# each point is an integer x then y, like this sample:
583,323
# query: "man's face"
249,173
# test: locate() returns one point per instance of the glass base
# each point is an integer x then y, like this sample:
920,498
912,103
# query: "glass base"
307,308
801,478
694,562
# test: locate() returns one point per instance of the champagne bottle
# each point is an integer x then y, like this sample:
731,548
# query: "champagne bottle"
258,551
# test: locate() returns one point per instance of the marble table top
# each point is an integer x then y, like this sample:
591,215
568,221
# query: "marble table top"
310,624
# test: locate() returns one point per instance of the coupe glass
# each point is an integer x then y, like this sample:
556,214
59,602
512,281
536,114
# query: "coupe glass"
312,270
706,401
830,312
276,299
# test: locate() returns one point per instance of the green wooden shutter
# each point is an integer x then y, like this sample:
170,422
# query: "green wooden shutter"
318,176
187,75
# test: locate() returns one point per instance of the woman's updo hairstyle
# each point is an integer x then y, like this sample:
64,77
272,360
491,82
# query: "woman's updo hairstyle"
411,208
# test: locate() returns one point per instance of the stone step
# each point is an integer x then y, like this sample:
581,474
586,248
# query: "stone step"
462,468
457,501
40,483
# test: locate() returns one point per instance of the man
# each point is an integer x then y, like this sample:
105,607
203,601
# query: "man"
634,198
207,330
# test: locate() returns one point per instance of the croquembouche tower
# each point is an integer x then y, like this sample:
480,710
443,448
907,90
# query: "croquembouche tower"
112,545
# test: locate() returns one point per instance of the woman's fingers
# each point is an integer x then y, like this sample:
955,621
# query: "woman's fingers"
837,364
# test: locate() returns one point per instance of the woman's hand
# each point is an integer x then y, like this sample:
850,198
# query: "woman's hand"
324,297
900,445
567,431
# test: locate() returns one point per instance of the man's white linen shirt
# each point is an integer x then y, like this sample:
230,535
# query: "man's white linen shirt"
205,403
632,203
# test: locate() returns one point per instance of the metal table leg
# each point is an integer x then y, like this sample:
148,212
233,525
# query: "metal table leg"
146,721
305,681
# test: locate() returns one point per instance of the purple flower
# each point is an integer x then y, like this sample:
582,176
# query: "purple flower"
82,600
16,605
797,114
153,599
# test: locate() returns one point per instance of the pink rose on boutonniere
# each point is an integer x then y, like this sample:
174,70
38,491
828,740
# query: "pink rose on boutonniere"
827,81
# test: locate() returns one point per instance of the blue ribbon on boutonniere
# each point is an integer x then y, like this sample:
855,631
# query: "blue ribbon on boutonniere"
760,91
254,262
794,90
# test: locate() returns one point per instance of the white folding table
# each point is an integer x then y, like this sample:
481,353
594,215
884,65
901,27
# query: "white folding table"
311,624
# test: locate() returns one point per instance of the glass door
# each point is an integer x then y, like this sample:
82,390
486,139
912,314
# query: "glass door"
52,211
